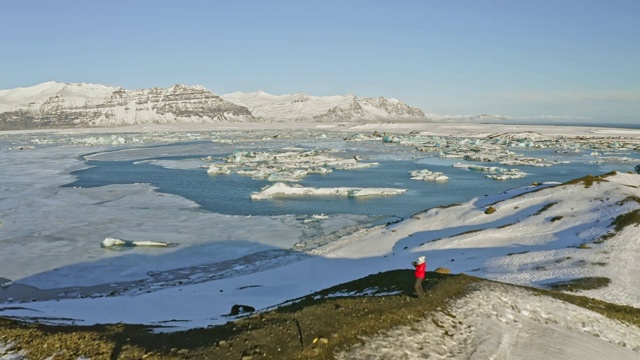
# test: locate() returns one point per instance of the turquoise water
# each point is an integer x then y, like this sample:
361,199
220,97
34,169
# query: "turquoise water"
230,194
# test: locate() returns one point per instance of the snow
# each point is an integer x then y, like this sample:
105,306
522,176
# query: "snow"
70,275
82,94
98,105
37,94
287,107
73,94
496,322
300,106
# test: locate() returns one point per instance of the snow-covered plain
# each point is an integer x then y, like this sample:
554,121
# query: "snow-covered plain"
538,235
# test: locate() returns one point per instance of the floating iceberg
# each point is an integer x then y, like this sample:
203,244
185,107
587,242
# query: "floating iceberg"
489,169
113,242
100,140
290,164
614,159
495,172
508,174
428,175
218,170
5,283
282,189
350,164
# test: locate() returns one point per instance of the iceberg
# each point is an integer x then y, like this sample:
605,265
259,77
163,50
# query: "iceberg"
114,242
218,169
5,283
428,175
511,174
282,189
291,164
495,172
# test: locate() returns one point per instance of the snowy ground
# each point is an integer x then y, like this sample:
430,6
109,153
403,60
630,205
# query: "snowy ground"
505,323
533,238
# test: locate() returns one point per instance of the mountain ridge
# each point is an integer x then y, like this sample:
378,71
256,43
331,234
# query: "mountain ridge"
54,104
332,108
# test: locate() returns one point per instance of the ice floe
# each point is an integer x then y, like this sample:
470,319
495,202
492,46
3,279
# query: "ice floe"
428,175
289,165
282,189
114,242
495,172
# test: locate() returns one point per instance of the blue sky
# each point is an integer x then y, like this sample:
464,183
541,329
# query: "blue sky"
523,58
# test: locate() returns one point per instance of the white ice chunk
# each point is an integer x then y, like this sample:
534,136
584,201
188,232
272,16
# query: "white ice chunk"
428,175
218,169
111,242
150,243
289,164
108,242
282,189
510,174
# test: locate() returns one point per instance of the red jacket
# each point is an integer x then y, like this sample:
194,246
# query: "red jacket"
420,270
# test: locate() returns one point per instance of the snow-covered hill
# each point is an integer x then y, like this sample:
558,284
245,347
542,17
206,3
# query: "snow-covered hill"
336,108
54,104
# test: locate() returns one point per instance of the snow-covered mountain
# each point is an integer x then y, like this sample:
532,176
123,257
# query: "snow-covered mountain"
487,118
336,108
54,104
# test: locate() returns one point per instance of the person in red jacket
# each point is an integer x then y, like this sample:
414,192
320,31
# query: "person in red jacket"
421,269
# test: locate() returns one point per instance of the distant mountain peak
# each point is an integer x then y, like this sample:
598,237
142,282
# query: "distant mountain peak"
339,108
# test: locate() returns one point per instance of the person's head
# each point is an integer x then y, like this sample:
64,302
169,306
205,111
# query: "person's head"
421,260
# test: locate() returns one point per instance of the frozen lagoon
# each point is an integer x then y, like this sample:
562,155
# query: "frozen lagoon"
56,212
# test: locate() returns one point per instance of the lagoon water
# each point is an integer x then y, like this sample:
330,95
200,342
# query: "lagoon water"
58,208
176,169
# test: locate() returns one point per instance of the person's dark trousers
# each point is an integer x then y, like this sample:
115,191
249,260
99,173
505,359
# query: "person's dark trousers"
417,287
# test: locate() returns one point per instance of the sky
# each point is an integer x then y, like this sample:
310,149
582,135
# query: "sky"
544,59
